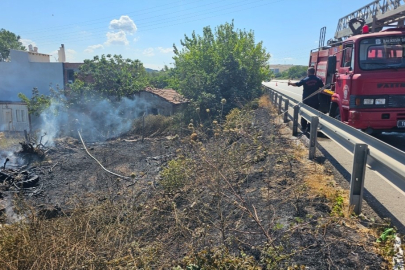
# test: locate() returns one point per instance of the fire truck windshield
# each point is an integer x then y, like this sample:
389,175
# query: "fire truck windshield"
382,53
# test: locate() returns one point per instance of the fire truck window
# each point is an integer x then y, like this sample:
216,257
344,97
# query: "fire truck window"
348,57
382,53
375,53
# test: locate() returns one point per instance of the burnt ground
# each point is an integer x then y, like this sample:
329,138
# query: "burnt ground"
246,190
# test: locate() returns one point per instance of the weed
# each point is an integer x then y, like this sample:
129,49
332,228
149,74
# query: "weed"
175,175
298,220
387,235
338,205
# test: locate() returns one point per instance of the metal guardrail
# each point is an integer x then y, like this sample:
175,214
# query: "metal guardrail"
381,157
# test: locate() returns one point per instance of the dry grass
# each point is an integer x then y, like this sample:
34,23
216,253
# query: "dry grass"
264,102
10,140
154,125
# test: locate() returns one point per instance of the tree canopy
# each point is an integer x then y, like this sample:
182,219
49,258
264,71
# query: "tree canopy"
110,76
9,40
162,79
221,64
295,72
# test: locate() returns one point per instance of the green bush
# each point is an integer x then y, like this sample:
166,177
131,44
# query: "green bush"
175,175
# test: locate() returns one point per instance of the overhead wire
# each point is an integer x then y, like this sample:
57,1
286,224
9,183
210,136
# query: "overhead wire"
165,21
144,28
109,17
165,24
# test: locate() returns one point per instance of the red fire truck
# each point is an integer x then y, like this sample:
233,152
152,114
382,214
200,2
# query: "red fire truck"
363,69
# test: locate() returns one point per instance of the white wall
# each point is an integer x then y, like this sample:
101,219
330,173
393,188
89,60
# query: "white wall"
14,117
21,76
38,57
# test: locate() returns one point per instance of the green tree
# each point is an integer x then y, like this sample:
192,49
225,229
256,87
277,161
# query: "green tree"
110,76
224,64
162,79
295,72
9,40
37,103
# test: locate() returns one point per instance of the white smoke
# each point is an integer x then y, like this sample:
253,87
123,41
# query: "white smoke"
11,216
97,121
14,161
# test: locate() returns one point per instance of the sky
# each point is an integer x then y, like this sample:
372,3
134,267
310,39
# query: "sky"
147,30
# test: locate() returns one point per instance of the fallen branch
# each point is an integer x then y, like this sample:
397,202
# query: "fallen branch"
110,172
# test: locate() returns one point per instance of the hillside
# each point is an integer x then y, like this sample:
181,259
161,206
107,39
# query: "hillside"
282,67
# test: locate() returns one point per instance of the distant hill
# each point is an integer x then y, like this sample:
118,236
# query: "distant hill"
282,68
151,70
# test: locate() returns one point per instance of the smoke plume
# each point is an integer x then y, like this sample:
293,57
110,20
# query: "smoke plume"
97,121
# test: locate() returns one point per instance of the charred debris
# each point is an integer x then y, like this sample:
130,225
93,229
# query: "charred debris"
17,172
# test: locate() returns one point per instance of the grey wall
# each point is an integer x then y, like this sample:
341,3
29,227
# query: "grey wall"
155,102
20,76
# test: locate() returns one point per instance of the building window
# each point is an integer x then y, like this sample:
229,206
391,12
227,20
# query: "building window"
20,115
17,115
70,76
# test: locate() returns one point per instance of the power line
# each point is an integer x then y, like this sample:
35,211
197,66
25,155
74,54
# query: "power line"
66,26
162,21
158,26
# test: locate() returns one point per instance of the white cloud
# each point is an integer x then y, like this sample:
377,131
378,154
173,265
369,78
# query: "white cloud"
25,42
125,23
116,38
165,50
136,39
91,48
70,55
54,56
148,52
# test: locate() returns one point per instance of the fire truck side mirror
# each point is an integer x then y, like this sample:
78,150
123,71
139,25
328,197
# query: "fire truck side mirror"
332,64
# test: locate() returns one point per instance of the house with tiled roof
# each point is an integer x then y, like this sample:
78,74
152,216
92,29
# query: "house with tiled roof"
163,101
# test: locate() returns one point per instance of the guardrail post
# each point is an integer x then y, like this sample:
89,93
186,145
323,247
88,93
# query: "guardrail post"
275,98
358,173
312,136
286,110
271,95
280,104
295,120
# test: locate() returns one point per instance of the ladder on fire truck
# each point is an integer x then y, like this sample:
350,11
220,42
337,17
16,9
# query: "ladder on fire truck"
376,15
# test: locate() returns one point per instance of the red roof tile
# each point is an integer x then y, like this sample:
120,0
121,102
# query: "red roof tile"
168,94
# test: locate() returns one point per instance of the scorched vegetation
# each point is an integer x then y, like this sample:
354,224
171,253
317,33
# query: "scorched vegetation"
232,194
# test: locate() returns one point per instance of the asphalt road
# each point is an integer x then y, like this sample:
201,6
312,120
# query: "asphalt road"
386,198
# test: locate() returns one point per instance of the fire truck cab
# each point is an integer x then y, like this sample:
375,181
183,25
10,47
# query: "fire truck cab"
364,77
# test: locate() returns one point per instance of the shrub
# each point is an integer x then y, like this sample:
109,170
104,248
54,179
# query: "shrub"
174,176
